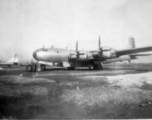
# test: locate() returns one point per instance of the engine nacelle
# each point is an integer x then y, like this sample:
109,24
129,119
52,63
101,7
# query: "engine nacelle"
72,56
82,55
106,54
95,54
109,53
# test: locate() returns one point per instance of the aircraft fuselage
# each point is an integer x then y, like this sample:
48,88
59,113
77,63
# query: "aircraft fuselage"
52,55
55,55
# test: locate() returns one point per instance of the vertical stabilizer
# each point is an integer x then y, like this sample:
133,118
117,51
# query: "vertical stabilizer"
14,59
132,42
131,46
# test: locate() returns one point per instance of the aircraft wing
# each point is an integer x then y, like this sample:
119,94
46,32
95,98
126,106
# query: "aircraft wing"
135,50
111,61
133,56
136,55
115,60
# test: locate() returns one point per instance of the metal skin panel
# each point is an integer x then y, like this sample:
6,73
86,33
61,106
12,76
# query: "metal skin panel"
62,56
85,58
52,55
106,54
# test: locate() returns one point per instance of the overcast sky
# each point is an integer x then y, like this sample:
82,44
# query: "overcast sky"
26,25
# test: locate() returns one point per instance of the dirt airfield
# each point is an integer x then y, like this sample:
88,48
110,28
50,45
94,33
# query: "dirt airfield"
120,91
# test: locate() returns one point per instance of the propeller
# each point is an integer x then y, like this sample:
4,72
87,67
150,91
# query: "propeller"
77,53
100,49
99,44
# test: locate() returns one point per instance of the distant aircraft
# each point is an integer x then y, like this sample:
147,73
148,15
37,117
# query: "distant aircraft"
9,63
78,58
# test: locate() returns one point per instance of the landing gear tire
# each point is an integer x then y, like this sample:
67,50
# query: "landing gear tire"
98,67
29,68
43,67
89,67
34,67
71,68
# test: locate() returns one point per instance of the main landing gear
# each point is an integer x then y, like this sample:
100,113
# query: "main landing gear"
97,67
42,67
33,67
71,68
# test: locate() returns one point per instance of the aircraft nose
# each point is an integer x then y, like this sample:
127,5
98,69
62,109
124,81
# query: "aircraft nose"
35,55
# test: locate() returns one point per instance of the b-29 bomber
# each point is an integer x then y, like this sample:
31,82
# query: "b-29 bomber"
80,58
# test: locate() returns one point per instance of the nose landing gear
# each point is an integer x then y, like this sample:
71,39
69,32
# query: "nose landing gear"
31,68
34,67
42,67
97,67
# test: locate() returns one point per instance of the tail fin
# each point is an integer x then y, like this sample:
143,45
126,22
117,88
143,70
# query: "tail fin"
132,42
14,60
131,46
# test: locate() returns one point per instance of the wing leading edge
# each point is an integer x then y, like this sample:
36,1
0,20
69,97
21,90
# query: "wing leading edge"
140,55
135,50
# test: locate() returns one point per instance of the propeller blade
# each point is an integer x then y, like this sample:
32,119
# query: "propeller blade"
76,52
76,47
100,49
99,44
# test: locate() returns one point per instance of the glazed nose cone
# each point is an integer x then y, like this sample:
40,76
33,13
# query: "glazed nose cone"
35,55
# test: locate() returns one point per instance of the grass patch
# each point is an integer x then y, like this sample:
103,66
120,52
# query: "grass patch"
131,80
93,78
21,91
14,79
101,96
